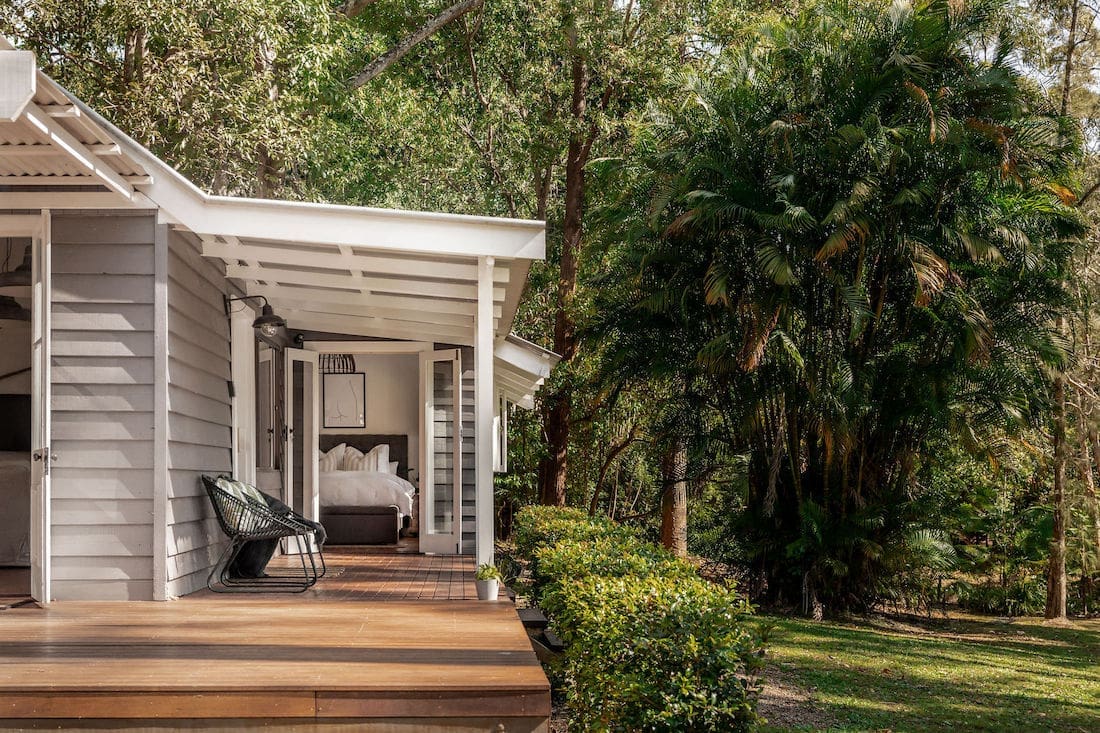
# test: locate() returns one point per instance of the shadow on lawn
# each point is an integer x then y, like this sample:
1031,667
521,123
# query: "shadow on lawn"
955,675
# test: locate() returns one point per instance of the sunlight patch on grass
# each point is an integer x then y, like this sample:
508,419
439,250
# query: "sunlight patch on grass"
967,673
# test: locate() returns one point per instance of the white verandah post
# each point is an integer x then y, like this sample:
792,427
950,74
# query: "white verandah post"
243,367
484,411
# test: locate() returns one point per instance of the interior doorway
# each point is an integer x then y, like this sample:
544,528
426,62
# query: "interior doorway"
25,406
15,428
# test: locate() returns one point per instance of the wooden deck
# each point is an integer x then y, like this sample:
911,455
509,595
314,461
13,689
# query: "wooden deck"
377,646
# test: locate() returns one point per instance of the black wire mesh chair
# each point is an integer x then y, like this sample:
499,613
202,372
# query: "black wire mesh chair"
245,521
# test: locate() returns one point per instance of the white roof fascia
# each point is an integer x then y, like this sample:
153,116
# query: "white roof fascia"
520,368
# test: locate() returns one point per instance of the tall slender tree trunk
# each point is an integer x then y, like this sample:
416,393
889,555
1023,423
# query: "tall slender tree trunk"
674,531
1056,568
554,470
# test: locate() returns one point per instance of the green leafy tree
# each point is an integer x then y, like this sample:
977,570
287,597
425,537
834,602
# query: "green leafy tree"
869,224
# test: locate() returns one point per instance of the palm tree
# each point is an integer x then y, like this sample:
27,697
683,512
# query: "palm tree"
857,232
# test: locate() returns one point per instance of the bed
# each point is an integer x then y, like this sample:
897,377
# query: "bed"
367,507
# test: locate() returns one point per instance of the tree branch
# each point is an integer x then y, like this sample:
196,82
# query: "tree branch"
397,52
352,8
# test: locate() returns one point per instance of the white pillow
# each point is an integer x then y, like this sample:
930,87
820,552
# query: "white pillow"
333,460
393,467
376,459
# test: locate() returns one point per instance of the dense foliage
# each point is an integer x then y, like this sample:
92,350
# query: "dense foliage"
650,645
836,296
860,233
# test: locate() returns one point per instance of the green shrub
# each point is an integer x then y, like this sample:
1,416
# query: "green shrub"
668,654
649,644
1021,596
613,557
541,526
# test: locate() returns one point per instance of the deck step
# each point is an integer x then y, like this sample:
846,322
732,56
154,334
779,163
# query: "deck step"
533,618
553,641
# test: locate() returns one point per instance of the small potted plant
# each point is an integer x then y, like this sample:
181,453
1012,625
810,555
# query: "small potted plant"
487,579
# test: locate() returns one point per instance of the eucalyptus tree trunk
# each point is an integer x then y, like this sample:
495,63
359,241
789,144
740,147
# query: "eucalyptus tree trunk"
674,530
554,469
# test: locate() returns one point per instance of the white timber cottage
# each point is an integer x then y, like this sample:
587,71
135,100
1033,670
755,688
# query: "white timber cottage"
151,333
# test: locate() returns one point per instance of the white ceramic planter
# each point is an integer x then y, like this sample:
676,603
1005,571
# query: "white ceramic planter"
487,589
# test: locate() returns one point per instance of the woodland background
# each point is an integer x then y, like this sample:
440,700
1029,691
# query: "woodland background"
823,274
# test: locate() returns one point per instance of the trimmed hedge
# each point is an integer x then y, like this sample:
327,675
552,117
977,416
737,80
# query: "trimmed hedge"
649,644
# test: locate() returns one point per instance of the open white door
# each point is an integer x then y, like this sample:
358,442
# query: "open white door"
303,411
40,412
441,484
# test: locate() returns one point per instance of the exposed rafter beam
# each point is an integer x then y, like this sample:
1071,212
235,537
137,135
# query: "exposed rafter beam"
282,300
60,110
71,200
355,326
58,135
425,288
322,298
348,260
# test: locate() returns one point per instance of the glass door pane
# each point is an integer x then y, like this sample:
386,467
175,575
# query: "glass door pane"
440,512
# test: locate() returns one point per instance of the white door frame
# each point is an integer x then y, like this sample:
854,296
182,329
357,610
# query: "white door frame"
450,543
37,228
310,424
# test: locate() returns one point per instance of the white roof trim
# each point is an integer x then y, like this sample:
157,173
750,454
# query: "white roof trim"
520,368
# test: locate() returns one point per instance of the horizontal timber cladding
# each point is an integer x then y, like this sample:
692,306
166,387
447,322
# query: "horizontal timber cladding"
199,410
102,377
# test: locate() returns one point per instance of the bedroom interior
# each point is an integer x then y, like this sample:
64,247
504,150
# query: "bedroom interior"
15,419
376,401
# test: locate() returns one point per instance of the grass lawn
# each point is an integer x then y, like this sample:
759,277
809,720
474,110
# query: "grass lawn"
964,674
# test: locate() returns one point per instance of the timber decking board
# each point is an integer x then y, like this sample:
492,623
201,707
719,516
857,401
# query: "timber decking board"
331,652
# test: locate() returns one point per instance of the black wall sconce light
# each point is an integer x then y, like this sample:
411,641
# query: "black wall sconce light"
267,323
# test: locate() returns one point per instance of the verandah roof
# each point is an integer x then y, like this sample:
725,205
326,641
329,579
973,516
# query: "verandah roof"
342,269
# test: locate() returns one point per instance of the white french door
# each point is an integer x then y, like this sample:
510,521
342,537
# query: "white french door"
302,401
40,411
441,484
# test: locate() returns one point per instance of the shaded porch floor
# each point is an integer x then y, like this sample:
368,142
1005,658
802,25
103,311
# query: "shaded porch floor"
374,647
384,573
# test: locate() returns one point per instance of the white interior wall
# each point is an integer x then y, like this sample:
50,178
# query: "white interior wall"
392,394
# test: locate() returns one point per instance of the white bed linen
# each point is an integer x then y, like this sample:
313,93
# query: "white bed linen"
15,508
366,488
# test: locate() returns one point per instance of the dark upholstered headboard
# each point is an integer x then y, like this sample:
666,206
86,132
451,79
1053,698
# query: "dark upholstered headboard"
15,425
399,446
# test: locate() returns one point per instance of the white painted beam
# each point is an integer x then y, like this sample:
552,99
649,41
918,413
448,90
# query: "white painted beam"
395,286
280,299
58,135
18,83
382,328
58,200
323,297
484,397
343,258
61,110
12,225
